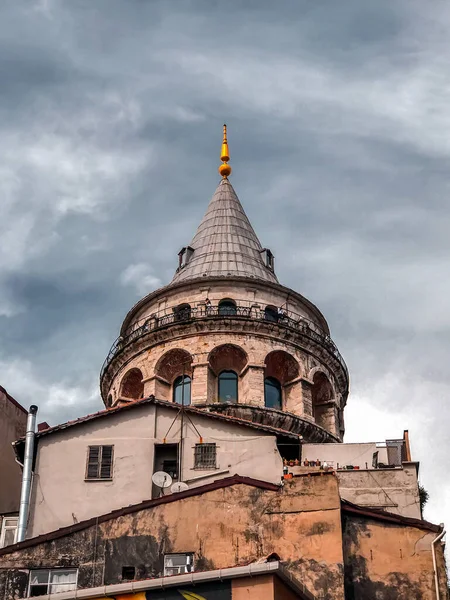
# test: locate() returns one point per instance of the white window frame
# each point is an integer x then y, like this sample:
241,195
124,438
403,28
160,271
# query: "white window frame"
179,569
49,584
6,528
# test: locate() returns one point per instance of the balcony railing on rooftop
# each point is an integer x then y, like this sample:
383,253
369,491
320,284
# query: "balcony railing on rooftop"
241,310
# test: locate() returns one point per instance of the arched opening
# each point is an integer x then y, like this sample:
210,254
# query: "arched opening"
282,366
182,390
271,314
322,400
132,385
227,307
228,386
174,363
109,401
182,312
272,393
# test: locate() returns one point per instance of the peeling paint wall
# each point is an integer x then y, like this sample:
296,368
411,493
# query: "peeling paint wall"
230,526
387,561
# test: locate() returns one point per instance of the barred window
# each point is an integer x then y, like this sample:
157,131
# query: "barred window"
205,456
99,462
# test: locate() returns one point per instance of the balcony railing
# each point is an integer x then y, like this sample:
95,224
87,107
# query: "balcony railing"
242,310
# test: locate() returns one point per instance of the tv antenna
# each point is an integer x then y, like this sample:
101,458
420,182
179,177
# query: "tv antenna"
162,480
179,486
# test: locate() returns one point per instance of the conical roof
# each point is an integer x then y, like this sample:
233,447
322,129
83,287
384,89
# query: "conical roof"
225,243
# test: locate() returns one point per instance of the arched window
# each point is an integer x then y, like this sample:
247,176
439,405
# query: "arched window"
182,390
228,386
227,307
271,313
272,393
182,312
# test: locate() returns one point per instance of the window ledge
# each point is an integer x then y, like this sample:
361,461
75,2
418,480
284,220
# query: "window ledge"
98,479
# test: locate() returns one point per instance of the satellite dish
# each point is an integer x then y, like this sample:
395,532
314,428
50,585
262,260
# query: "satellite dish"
162,479
179,486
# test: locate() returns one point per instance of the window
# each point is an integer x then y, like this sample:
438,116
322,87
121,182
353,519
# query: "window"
182,390
182,312
8,533
272,393
228,386
227,307
178,564
52,581
268,258
205,456
271,314
128,573
99,462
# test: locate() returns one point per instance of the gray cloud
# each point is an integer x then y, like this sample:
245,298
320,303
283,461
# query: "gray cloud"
339,131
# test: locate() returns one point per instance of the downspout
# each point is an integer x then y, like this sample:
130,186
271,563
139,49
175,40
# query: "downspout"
27,474
433,553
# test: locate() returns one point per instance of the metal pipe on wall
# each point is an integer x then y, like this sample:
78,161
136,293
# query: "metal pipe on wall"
27,474
433,553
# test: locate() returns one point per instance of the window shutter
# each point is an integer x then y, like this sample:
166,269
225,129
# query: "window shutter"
93,462
106,462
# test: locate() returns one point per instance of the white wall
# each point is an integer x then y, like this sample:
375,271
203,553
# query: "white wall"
61,496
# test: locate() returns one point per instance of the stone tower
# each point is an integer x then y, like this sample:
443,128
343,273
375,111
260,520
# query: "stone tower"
226,336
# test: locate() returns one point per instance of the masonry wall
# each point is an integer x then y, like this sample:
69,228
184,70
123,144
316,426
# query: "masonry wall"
13,420
61,496
388,561
234,525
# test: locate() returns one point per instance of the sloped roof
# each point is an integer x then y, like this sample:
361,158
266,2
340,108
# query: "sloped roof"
152,400
225,242
132,508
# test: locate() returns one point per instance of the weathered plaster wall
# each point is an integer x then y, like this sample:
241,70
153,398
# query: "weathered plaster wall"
224,527
387,561
61,496
13,422
395,490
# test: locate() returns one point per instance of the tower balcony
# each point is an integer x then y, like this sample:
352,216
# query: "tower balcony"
177,321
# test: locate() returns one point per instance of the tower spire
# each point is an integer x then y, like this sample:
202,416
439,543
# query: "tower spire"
225,168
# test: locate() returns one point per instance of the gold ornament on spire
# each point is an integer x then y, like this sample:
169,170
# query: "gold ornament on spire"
225,168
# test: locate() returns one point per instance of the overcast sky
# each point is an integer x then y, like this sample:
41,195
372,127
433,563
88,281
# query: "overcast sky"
339,131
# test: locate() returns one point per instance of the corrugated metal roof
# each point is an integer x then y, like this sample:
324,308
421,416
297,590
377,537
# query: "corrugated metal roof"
225,242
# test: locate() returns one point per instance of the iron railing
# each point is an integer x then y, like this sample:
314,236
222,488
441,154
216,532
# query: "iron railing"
241,310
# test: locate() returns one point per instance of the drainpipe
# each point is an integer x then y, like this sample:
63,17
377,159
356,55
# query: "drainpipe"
27,474
433,553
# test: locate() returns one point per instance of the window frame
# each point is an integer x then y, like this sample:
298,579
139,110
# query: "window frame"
49,584
99,466
182,383
6,528
233,401
205,465
191,555
269,382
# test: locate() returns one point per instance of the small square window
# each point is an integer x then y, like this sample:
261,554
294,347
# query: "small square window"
128,573
99,462
178,564
205,456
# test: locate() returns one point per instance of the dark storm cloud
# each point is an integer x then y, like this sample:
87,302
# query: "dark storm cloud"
110,121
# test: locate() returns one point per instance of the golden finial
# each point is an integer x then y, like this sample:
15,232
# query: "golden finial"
225,168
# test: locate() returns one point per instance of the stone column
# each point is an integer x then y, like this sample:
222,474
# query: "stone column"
251,385
199,389
293,397
307,397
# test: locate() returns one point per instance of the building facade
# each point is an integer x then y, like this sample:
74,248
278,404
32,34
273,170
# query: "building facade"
221,447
